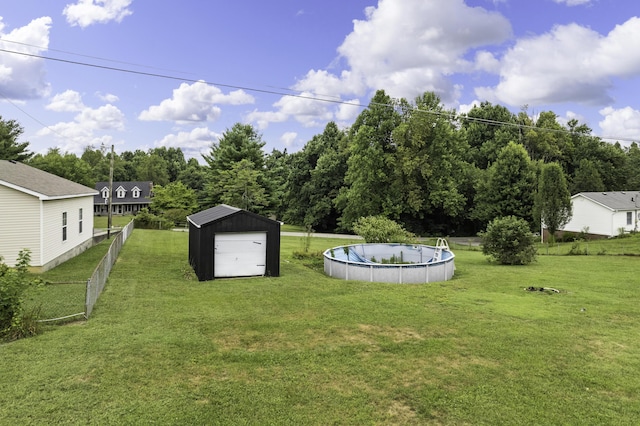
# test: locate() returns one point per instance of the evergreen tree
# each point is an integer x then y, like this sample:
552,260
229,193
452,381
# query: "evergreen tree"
10,148
553,200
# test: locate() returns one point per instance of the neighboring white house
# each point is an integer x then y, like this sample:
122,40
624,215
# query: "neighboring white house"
49,215
605,213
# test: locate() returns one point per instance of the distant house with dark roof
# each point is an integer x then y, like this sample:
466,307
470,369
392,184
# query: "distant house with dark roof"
604,213
49,215
127,197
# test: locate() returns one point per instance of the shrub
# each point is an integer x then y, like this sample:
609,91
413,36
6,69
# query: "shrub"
14,323
146,220
509,241
176,216
380,229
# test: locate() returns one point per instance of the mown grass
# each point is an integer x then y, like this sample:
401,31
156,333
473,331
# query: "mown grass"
303,348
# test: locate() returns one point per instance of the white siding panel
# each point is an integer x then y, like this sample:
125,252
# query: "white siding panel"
19,225
599,219
53,246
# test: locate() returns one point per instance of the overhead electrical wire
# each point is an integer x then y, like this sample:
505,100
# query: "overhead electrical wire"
296,94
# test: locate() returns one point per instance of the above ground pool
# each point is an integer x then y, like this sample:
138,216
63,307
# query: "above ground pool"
391,263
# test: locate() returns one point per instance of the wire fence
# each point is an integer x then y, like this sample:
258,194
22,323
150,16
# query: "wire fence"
60,302
98,279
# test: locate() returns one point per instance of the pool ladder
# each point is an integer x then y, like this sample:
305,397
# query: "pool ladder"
441,244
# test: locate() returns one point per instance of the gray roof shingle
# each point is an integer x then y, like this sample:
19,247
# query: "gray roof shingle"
39,183
621,200
212,214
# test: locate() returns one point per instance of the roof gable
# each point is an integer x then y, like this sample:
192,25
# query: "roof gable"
39,183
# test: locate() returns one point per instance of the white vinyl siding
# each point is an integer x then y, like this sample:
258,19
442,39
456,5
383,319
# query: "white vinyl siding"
19,225
599,219
53,246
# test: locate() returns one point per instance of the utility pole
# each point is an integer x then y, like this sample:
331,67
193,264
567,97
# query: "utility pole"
110,194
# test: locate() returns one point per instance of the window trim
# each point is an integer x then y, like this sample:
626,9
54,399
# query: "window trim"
64,226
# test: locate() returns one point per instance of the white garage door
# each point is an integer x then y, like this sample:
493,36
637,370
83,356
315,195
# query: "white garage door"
240,254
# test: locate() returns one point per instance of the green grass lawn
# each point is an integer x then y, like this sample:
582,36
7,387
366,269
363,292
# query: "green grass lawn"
163,348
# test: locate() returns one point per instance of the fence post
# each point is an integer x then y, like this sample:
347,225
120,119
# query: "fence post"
87,293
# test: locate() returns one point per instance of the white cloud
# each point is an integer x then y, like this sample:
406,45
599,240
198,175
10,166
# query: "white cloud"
571,63
621,123
68,101
23,77
195,102
573,2
288,138
90,126
89,12
108,97
464,109
348,111
405,47
486,61
193,144
408,47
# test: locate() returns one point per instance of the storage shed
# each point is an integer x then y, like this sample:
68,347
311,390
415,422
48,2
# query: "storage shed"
226,241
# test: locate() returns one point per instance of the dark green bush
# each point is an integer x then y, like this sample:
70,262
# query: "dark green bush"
14,323
509,241
568,237
380,229
146,220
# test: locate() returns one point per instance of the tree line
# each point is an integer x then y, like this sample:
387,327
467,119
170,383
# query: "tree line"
435,171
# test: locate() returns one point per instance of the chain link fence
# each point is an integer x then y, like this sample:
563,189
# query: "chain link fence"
98,279
59,302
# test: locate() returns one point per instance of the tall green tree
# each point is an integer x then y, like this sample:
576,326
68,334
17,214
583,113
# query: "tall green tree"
10,148
553,199
430,163
66,165
278,165
587,178
508,188
485,134
633,168
174,159
174,195
240,187
153,168
316,176
241,142
371,167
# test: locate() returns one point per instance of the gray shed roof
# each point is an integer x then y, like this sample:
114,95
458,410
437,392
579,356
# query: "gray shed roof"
39,183
211,215
622,200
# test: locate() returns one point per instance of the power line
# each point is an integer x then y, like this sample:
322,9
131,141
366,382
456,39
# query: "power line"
300,95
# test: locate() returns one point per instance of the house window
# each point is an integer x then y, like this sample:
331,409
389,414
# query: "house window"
120,192
135,192
64,226
105,193
80,221
629,218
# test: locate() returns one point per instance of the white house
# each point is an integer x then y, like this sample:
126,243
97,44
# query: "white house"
605,213
49,215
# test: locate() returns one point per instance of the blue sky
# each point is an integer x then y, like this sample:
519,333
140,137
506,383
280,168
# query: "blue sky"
216,63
